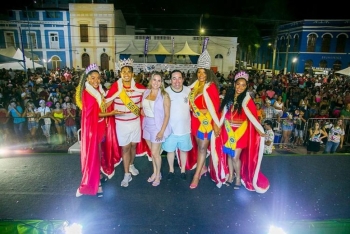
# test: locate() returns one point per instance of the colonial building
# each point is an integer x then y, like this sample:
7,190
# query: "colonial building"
308,46
97,33
45,33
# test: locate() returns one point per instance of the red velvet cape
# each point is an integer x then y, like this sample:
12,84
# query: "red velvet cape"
92,133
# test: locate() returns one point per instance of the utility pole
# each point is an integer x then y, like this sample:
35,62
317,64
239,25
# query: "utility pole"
24,57
274,47
30,40
286,59
200,34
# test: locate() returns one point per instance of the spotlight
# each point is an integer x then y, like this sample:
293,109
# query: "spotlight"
276,230
74,228
4,151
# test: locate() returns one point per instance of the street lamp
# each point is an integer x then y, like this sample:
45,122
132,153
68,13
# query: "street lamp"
274,48
201,31
294,61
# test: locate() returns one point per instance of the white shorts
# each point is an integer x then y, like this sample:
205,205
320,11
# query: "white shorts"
128,131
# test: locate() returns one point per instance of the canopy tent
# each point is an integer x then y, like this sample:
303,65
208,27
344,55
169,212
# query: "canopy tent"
186,50
19,65
345,71
5,59
11,51
130,50
160,52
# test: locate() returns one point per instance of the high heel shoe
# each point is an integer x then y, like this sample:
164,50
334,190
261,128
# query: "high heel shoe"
237,186
204,171
99,191
157,182
78,194
152,179
194,185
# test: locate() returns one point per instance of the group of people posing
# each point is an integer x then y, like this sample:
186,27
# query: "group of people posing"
223,138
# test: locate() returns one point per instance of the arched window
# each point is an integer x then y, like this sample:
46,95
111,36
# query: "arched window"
323,63
295,47
308,65
311,42
282,45
337,65
85,60
104,61
326,43
341,42
219,56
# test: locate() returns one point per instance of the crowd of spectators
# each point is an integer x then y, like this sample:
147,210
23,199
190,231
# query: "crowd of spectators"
280,98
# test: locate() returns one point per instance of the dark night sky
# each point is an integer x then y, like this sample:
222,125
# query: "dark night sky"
298,9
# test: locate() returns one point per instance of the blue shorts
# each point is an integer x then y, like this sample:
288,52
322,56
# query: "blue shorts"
32,124
174,142
287,128
60,122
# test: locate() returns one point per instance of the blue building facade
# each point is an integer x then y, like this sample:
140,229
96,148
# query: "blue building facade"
45,33
308,46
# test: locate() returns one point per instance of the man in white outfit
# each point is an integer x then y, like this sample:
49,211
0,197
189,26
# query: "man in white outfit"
180,122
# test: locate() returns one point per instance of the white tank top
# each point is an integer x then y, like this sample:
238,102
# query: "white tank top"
148,107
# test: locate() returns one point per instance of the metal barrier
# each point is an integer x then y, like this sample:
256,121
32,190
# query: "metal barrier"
325,123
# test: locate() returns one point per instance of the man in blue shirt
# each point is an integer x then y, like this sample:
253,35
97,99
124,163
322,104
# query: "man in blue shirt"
18,121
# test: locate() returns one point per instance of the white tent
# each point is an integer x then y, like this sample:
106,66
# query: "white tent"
131,49
345,71
20,65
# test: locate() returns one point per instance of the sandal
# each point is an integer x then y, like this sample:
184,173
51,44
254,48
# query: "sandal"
151,179
99,191
237,186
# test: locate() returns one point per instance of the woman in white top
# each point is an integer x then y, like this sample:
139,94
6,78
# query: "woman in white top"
156,112
278,105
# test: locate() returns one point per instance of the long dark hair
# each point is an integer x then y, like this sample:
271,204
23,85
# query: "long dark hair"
211,77
228,99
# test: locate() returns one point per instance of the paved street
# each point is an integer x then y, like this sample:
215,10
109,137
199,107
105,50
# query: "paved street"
303,189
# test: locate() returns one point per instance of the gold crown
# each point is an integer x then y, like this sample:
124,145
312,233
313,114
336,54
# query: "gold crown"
92,67
126,62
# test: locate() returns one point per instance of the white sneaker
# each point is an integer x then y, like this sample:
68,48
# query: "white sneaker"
126,180
133,170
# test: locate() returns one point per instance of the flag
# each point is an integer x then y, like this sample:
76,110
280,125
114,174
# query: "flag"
173,45
146,45
205,43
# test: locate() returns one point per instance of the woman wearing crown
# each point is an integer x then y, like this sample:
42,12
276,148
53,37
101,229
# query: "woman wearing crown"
204,101
90,99
242,138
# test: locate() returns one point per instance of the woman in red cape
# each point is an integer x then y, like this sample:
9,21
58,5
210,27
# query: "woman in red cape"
90,99
204,101
241,139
